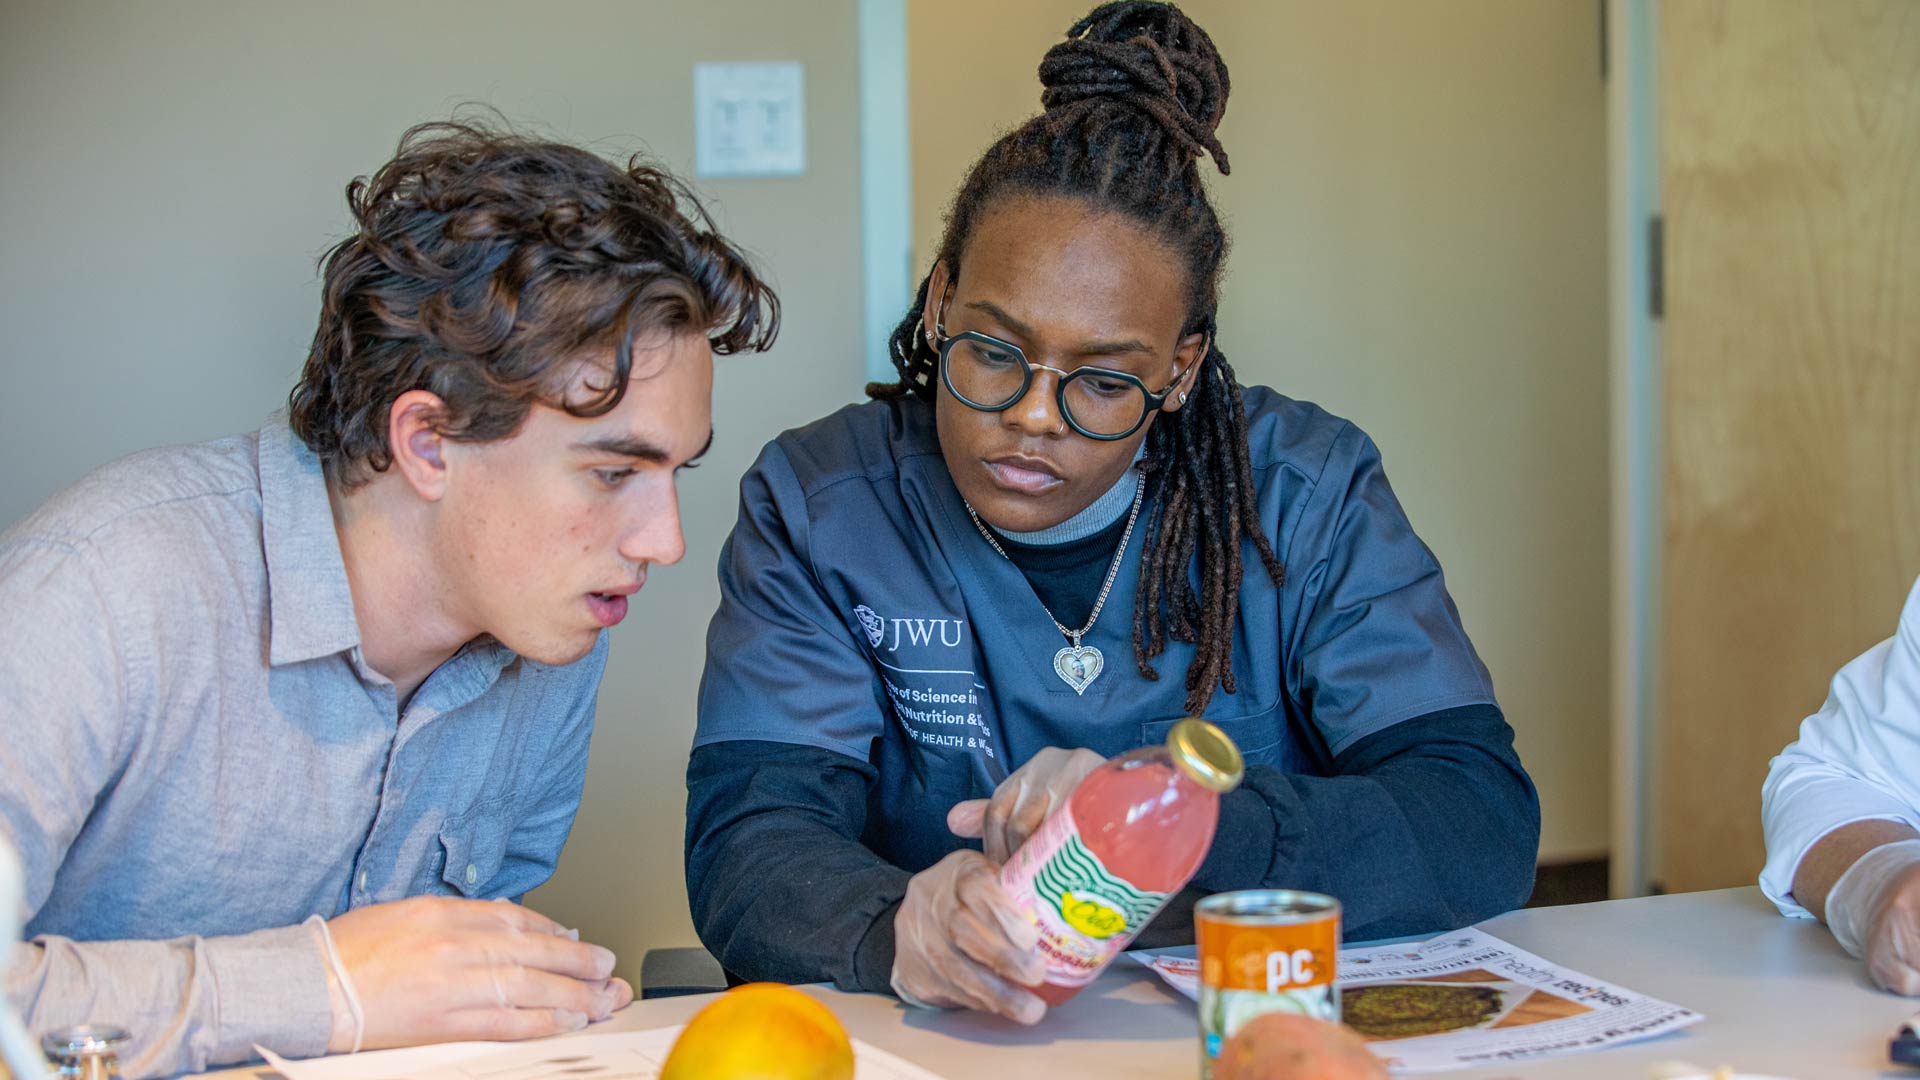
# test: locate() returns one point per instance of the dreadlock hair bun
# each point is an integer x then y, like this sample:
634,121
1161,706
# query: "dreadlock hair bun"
1145,56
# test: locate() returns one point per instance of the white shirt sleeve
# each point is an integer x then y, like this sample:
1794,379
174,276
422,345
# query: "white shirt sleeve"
1857,759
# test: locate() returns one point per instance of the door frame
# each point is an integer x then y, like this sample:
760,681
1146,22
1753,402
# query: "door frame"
1633,128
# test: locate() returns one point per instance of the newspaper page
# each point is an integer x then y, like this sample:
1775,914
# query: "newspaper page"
1468,999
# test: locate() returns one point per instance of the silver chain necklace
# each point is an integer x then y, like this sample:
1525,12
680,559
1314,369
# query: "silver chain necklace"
1077,665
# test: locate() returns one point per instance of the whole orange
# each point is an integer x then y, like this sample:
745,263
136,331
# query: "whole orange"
762,1031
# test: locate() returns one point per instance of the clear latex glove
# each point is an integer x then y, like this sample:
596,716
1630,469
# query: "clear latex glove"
1022,801
1874,912
959,942
438,969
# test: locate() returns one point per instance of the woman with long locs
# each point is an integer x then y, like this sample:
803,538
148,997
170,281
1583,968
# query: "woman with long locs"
1067,526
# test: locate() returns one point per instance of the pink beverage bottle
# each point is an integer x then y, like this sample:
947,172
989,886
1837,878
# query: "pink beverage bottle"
1131,835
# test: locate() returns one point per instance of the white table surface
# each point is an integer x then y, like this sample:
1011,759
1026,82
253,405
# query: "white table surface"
1779,998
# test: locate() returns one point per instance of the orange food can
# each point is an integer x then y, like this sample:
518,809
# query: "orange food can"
1261,951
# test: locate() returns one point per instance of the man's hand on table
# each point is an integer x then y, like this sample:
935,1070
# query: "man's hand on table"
437,969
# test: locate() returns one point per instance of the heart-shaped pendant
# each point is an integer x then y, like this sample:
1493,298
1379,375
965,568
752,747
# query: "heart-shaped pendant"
1078,666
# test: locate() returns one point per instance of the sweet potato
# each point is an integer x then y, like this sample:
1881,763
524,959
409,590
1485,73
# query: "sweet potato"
1288,1046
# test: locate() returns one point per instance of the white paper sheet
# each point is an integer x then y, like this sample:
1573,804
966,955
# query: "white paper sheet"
1545,1010
624,1055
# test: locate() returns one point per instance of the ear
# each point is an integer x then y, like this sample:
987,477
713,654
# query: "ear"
1190,357
417,445
930,313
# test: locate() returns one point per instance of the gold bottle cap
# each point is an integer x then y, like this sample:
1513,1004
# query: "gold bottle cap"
1204,753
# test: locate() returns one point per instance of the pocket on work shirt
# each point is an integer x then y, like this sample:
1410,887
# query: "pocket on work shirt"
1261,737
473,845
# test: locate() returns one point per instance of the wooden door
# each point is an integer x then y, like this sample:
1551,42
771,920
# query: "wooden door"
1790,183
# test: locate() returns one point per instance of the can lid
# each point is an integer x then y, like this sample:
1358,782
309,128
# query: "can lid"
1204,753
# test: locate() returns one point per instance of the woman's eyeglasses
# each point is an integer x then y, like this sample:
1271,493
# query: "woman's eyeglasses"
991,375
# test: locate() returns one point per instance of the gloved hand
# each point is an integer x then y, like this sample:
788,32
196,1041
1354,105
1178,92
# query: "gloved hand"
439,969
1874,912
959,942
1022,801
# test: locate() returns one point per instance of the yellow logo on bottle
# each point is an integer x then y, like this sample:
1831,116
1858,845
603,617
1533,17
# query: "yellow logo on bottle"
1090,915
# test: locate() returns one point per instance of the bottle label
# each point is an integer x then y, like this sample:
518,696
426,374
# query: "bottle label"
1086,913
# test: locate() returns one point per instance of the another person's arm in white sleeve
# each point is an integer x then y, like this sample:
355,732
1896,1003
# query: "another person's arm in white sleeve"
1852,780
1841,809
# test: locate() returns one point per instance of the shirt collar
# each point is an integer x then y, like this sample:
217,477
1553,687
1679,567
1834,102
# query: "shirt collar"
309,604
470,673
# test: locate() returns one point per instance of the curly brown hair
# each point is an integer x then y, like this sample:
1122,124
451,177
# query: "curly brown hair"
486,267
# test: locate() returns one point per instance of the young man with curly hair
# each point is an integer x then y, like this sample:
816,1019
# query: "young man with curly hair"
281,712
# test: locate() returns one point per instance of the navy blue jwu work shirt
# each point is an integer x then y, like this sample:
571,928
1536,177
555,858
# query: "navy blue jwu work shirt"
874,661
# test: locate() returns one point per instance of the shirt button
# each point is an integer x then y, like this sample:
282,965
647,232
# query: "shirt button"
473,874
363,881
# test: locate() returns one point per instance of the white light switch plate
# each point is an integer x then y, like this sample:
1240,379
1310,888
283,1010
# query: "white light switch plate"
749,119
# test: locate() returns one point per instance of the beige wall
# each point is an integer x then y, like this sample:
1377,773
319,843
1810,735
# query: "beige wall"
171,171
1418,209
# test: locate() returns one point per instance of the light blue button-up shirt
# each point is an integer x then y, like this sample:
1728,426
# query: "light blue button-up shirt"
194,757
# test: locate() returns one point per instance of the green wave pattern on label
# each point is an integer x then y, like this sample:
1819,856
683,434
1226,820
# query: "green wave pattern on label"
1072,868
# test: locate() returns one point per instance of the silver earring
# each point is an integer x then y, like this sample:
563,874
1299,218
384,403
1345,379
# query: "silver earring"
1183,397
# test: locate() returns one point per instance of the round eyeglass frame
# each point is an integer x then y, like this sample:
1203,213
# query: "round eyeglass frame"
944,342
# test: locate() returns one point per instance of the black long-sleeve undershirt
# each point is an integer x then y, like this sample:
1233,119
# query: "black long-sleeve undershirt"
1427,825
